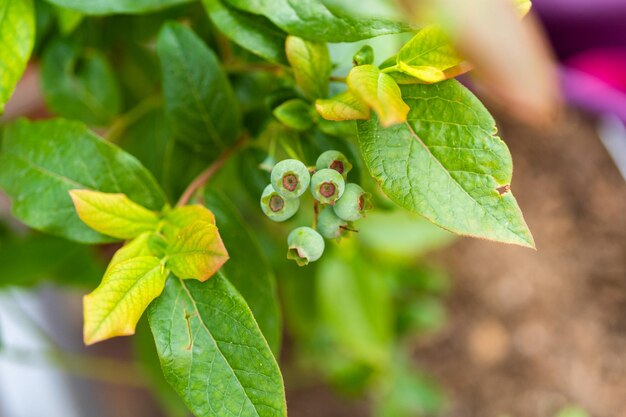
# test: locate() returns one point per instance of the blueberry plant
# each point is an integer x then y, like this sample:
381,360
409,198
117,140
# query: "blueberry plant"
171,120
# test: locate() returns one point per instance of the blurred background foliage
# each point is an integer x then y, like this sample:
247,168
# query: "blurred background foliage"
351,320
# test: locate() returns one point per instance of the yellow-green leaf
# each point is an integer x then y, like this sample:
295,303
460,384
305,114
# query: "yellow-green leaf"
311,66
68,19
295,113
429,55
127,289
113,214
197,252
181,217
344,106
380,92
135,248
17,37
523,7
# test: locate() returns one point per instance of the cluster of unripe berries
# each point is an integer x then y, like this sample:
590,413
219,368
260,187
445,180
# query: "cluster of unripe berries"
342,203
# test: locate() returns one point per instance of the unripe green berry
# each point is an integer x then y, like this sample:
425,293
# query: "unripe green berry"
334,160
329,225
290,178
327,186
305,245
277,207
352,204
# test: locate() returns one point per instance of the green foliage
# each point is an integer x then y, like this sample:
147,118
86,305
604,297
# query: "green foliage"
199,101
429,56
212,350
447,164
379,92
295,113
312,19
254,33
98,7
362,322
17,35
149,138
41,162
311,66
177,89
57,260
79,85
248,269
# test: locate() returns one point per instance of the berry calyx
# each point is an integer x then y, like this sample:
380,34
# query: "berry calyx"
327,189
334,160
290,182
276,203
290,178
327,186
305,245
352,204
277,207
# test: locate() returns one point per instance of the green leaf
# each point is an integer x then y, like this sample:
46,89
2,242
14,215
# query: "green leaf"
135,248
199,101
113,214
180,217
99,7
79,86
174,165
446,164
128,287
37,257
295,113
41,162
252,32
312,19
146,354
212,351
68,19
380,92
17,38
400,235
248,269
405,392
354,301
429,56
197,252
344,106
311,66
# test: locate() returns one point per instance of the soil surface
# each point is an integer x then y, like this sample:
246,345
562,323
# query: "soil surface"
530,332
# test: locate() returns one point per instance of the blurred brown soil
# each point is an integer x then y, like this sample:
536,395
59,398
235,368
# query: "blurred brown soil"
532,331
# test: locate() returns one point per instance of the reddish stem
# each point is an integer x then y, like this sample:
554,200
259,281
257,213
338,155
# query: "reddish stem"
201,180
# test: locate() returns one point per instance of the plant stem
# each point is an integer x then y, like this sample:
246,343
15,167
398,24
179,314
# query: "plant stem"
239,68
201,180
316,212
337,79
122,123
